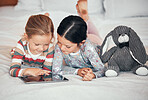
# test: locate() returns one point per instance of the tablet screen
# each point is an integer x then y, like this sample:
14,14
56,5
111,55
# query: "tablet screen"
44,79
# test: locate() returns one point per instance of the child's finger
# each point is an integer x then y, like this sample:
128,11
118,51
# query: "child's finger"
89,76
90,70
40,73
86,78
46,72
85,69
83,72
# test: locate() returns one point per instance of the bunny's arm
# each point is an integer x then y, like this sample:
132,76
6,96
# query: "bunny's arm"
107,55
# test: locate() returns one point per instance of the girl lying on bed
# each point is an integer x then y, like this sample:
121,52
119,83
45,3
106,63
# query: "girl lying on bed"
75,51
33,54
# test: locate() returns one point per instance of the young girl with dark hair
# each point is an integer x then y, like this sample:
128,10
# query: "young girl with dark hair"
74,53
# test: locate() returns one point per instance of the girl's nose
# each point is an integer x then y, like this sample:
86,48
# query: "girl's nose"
62,47
41,48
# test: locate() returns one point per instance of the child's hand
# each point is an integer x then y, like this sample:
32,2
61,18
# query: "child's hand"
34,72
88,76
83,71
86,73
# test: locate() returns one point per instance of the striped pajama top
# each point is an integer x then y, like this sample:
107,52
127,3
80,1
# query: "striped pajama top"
21,56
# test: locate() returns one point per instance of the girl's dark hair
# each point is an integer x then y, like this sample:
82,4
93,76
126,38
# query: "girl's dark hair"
73,28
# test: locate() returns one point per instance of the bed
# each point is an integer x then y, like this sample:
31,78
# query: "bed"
106,15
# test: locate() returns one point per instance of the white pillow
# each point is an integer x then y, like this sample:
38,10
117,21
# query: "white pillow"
59,5
94,6
125,8
28,5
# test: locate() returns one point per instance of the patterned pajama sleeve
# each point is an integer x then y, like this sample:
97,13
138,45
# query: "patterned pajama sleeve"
69,70
95,60
57,61
58,67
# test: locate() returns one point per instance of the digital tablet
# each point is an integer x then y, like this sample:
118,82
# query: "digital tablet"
44,79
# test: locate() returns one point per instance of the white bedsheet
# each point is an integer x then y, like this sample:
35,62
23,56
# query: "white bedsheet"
127,86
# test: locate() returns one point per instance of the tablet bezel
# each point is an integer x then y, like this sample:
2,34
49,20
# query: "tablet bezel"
63,79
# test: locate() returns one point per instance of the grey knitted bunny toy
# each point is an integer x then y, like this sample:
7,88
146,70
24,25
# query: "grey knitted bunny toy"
126,53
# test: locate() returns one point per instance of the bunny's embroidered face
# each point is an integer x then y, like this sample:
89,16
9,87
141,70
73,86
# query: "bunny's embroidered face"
121,35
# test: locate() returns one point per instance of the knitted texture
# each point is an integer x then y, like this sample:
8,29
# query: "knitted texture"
128,53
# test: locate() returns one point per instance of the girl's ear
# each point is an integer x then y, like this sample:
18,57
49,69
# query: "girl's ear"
82,42
25,36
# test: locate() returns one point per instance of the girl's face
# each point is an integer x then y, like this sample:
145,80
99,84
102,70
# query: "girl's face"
67,46
39,43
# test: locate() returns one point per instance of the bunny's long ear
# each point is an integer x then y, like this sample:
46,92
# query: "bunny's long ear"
137,49
108,43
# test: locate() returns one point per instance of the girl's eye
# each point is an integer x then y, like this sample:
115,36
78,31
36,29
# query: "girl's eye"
59,43
68,47
46,44
36,44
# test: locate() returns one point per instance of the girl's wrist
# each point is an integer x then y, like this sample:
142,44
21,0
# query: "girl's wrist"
94,75
23,72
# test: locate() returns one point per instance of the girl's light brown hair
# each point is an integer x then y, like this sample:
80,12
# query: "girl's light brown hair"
39,25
